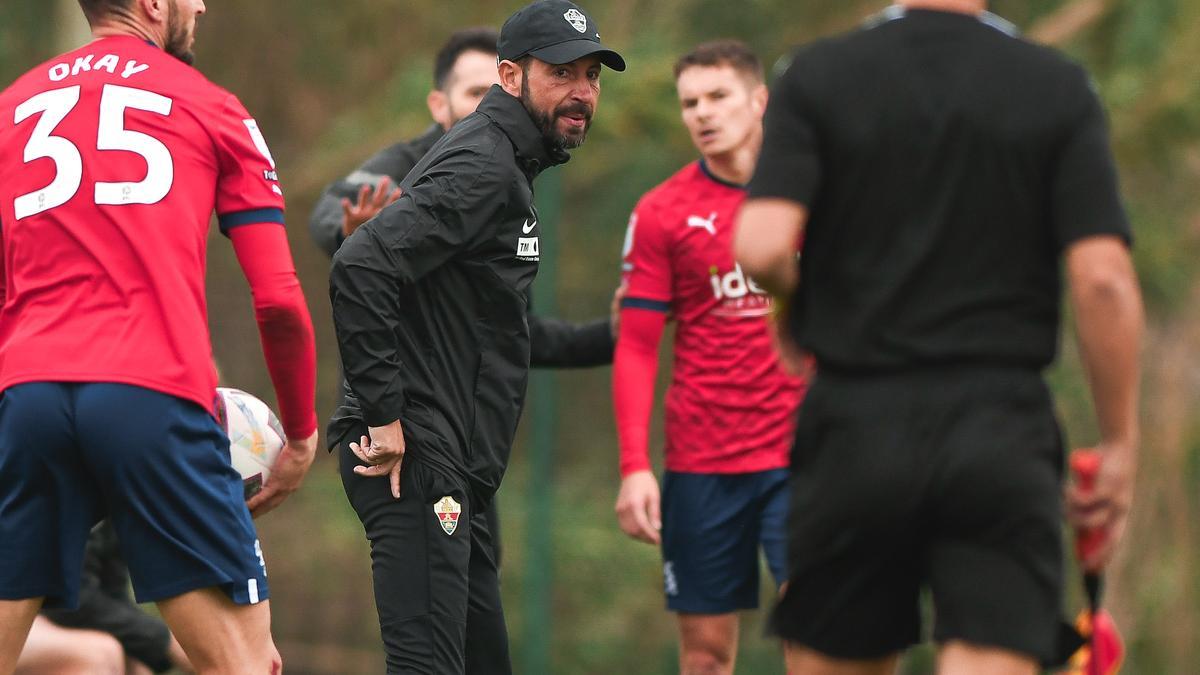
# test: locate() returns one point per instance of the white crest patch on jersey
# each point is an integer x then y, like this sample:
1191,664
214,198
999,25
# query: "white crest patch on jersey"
259,141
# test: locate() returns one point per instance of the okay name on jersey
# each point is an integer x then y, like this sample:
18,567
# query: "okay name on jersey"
112,63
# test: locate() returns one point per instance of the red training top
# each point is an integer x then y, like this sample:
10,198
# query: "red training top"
113,158
730,407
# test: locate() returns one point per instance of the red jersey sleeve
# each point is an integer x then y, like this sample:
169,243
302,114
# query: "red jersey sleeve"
646,263
646,270
635,365
248,189
284,324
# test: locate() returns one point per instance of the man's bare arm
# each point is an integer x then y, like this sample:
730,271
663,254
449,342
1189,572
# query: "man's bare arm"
1109,322
765,243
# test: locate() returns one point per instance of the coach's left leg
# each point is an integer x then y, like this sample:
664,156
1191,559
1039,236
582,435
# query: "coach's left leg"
16,617
487,634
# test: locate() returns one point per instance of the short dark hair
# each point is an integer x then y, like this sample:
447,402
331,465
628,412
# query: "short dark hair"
96,10
477,39
732,53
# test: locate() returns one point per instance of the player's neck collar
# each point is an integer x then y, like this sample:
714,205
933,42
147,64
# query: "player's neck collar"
897,12
717,179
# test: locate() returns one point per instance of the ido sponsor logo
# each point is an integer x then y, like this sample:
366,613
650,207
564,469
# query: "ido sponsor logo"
737,293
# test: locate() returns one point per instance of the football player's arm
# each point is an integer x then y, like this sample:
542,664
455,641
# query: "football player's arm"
285,329
3,271
250,207
1095,235
787,177
635,368
370,185
648,285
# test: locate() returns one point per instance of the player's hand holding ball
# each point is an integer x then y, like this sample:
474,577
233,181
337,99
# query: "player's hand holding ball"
287,474
272,466
383,453
638,507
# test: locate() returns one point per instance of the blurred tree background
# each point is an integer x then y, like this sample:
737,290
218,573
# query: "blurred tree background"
331,81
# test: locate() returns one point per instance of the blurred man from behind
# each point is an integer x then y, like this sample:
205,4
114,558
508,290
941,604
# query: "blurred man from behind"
941,168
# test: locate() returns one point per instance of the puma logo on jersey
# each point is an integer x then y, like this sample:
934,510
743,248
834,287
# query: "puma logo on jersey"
706,224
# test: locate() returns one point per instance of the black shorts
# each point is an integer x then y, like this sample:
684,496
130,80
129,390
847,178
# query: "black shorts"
437,588
947,481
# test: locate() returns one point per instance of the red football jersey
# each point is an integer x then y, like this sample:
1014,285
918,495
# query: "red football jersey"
730,407
113,158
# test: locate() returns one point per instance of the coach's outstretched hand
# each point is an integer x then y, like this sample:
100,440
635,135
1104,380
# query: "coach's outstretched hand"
286,476
383,453
638,507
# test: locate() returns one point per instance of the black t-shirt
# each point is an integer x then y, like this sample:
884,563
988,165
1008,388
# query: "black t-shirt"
946,164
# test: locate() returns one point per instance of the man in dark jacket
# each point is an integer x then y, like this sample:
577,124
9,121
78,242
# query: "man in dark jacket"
429,302
463,72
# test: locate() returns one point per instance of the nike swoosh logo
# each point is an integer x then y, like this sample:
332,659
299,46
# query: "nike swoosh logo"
527,227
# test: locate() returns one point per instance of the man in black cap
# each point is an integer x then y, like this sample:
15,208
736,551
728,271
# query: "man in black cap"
429,302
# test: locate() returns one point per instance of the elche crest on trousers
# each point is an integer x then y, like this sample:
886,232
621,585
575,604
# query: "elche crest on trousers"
447,510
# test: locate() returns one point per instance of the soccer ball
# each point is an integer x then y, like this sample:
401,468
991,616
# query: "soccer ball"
255,436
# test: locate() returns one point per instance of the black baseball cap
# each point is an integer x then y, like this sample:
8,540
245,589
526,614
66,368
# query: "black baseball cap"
554,31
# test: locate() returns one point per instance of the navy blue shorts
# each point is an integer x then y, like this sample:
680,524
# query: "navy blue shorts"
158,466
713,527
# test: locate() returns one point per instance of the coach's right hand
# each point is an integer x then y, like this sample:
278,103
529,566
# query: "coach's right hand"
638,507
286,476
383,453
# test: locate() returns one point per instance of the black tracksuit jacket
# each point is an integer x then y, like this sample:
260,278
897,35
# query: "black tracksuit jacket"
430,297
554,343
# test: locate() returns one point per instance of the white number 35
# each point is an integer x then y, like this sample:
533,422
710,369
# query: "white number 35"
111,135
